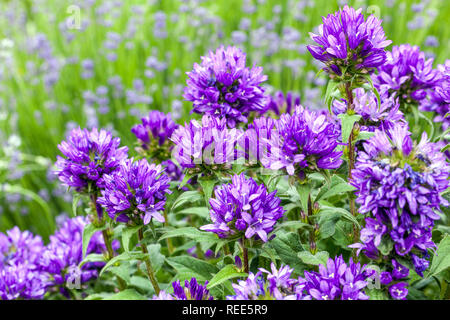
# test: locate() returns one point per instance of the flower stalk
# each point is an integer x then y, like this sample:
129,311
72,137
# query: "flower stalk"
150,272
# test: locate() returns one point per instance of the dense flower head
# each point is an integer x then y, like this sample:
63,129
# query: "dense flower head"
243,208
136,191
438,98
223,86
373,115
64,253
20,273
304,142
206,145
278,285
348,44
192,290
280,103
399,184
407,74
154,133
336,281
89,155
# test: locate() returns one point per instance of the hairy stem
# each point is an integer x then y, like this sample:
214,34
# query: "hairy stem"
150,272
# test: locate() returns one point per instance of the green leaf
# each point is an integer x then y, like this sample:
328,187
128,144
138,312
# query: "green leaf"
122,271
364,135
386,246
287,246
331,93
93,257
191,233
441,259
445,148
344,212
376,294
199,211
188,267
125,256
339,188
303,192
207,184
186,178
327,223
128,294
320,257
186,197
227,273
75,200
292,224
156,257
347,123
88,232
127,233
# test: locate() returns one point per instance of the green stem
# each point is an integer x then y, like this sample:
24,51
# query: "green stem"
351,164
107,239
168,240
245,255
150,272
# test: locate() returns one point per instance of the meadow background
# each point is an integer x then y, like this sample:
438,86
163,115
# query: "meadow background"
106,63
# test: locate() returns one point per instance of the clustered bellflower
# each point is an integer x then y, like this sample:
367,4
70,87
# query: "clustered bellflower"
222,85
89,155
64,253
398,188
278,285
348,45
135,192
206,145
192,291
243,208
373,116
28,269
20,273
439,97
407,74
303,142
335,281
154,135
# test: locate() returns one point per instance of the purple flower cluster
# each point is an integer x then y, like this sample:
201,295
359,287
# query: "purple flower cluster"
243,208
64,253
373,116
136,191
336,281
399,185
407,74
255,141
208,145
439,97
192,291
20,274
348,44
278,286
304,142
154,132
154,141
89,156
223,86
28,269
